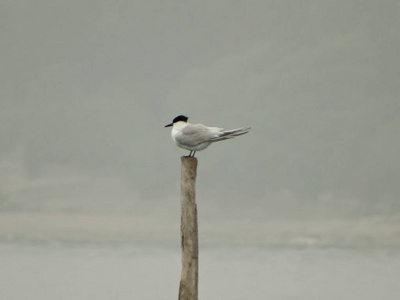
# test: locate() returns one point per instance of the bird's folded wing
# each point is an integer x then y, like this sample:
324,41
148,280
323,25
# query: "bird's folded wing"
197,134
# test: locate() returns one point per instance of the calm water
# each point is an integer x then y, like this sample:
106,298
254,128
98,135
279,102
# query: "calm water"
124,271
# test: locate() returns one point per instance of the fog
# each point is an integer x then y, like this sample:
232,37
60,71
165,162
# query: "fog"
87,86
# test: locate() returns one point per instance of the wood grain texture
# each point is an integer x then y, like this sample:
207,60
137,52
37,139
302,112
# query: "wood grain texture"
188,288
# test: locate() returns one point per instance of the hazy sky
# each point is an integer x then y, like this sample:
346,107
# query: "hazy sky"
87,86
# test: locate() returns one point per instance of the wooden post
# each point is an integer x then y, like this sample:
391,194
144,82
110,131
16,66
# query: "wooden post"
188,288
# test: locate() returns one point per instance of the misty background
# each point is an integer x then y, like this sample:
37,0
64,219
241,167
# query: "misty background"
87,87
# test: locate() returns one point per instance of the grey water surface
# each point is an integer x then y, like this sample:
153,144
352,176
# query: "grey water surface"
128,271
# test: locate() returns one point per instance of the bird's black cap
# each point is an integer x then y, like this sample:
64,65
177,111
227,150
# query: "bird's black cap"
180,118
177,119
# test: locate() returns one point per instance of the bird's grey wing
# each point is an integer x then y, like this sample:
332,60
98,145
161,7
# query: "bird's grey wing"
193,135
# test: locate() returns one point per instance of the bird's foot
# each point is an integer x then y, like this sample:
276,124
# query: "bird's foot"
191,154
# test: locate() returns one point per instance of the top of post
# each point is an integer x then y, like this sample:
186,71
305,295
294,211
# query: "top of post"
189,160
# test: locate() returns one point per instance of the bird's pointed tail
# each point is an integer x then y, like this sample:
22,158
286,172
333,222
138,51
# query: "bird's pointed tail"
229,134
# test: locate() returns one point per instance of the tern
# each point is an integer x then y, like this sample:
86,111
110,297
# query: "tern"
197,137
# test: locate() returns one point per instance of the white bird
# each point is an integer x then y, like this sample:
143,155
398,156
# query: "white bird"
196,137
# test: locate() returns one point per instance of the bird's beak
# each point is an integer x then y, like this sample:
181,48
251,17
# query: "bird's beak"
168,125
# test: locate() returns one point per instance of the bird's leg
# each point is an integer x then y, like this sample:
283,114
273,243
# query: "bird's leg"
190,154
193,153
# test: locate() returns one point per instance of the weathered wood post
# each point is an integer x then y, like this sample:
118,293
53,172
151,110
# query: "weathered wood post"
188,288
